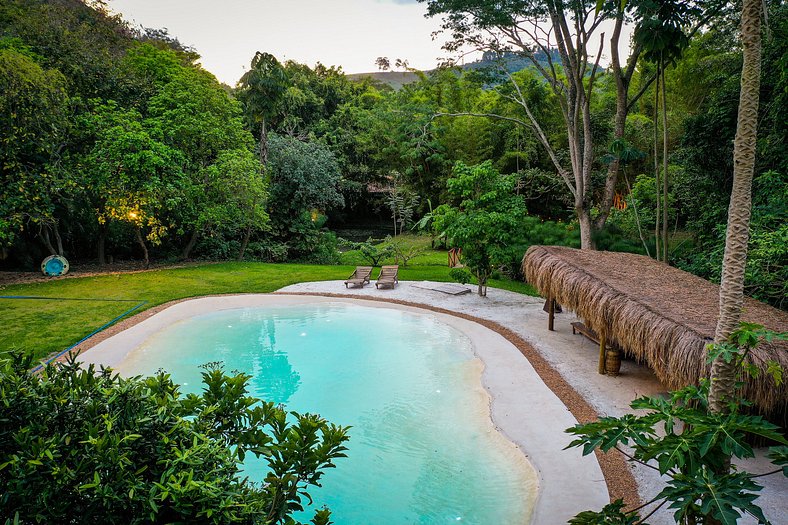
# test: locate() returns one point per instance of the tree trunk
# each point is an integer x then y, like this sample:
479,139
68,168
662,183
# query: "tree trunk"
187,250
58,239
44,234
664,172
637,217
658,254
244,243
141,242
723,375
586,227
263,143
623,78
249,226
101,244
482,288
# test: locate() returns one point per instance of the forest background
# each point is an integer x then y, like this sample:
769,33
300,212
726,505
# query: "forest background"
117,145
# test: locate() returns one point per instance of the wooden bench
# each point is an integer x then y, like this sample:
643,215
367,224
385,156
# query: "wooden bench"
577,326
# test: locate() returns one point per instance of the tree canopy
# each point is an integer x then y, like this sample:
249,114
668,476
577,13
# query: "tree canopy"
341,147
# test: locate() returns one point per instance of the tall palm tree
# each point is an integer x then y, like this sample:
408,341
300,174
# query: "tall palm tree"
732,284
260,90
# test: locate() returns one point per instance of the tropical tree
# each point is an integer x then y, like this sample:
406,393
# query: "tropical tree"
660,32
304,185
486,223
561,42
691,446
192,113
697,459
260,90
402,204
33,119
535,31
723,374
234,196
135,179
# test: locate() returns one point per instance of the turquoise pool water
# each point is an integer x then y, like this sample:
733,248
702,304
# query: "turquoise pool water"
422,447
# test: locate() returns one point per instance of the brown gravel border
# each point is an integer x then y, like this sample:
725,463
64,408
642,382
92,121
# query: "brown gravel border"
620,482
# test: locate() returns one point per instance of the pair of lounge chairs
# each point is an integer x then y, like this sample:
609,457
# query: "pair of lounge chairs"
361,276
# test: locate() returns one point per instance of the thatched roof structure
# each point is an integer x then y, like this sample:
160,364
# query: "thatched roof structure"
657,314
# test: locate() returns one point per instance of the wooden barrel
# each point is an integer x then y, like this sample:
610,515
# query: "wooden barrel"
612,362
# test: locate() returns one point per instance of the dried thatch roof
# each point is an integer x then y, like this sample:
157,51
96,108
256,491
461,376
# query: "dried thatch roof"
659,315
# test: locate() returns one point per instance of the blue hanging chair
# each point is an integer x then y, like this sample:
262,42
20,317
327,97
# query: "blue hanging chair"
54,265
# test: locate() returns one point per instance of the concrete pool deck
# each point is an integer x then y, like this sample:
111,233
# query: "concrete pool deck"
572,358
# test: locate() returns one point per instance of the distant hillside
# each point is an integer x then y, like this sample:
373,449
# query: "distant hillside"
513,62
395,79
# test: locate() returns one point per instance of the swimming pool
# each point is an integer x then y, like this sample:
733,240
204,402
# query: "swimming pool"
423,447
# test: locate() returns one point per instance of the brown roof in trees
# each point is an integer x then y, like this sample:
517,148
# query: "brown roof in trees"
657,314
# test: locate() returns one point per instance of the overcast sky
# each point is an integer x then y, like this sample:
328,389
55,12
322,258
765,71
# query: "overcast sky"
350,33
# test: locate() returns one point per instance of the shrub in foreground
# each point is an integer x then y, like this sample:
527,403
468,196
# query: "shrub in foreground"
80,445
692,447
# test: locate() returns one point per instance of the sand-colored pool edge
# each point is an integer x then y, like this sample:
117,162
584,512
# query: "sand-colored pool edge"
558,469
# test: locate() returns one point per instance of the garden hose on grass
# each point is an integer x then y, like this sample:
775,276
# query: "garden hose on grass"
51,358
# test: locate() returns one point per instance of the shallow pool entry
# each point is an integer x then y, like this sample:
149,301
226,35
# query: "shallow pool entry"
422,448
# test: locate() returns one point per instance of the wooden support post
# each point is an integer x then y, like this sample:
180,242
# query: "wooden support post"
550,313
602,352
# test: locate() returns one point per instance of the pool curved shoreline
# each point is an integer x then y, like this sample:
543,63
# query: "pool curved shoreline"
523,408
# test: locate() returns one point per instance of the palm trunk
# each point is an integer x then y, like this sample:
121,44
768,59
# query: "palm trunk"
723,375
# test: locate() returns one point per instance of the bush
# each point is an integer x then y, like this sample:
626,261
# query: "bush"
309,242
267,250
460,275
691,446
374,251
550,233
404,251
217,246
612,238
78,445
325,250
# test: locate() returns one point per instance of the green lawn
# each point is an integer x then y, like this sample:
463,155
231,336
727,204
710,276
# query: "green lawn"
46,326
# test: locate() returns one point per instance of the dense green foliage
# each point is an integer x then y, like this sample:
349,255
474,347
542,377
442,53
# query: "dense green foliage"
486,222
79,445
116,143
304,182
115,138
489,222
